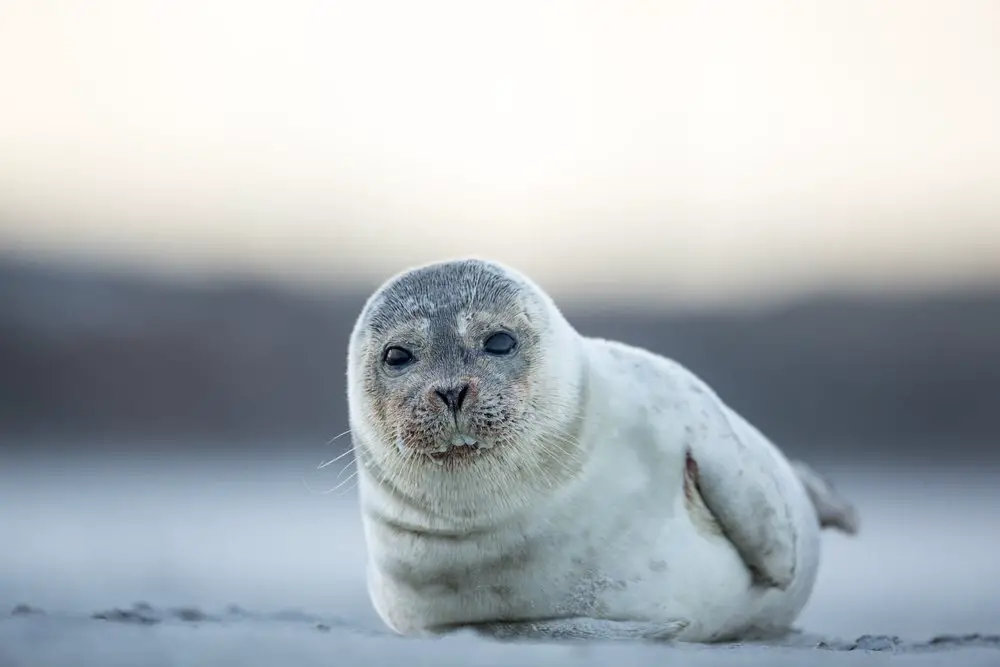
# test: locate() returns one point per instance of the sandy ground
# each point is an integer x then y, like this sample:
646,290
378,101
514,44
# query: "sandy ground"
189,637
84,540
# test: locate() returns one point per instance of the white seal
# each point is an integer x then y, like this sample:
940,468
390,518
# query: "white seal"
524,480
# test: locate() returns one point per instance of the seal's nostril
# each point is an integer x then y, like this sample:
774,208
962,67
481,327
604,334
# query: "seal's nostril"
453,397
445,396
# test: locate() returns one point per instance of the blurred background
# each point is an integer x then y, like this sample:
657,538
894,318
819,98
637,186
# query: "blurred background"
798,200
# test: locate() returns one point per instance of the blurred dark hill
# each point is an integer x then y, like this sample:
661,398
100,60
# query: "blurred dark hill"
116,358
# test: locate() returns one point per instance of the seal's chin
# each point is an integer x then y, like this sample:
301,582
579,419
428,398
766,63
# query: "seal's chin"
461,448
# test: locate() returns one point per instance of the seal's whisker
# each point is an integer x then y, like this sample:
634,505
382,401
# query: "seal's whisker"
538,468
554,456
395,463
350,450
336,488
337,437
566,450
348,489
344,469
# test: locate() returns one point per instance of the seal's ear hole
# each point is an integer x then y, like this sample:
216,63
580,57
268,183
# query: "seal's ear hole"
397,356
500,343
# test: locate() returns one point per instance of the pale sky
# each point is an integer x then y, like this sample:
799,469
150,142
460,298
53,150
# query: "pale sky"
686,150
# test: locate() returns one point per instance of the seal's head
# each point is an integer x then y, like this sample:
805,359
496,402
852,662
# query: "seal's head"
463,377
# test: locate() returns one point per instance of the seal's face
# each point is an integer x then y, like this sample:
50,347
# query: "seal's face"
459,365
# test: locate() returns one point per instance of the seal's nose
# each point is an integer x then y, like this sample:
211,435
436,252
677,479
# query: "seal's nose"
454,396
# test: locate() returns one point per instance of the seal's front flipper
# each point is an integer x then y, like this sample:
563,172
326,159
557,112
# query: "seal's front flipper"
738,480
832,509
582,628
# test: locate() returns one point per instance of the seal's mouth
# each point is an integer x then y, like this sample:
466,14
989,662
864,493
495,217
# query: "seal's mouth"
461,447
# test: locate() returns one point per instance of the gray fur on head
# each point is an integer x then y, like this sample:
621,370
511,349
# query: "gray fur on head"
521,408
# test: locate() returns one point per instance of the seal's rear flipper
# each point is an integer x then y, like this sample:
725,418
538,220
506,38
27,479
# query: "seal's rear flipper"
832,509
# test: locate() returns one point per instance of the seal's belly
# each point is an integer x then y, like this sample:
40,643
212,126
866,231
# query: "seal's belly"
684,573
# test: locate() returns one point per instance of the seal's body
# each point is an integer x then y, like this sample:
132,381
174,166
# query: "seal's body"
524,480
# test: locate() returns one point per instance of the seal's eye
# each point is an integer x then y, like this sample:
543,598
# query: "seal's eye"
397,356
500,343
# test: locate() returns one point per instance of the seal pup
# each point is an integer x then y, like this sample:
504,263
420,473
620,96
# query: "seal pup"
520,479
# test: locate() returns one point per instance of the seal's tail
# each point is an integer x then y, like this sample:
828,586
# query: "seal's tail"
832,509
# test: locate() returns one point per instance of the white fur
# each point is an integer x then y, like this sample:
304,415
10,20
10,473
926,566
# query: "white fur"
616,539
